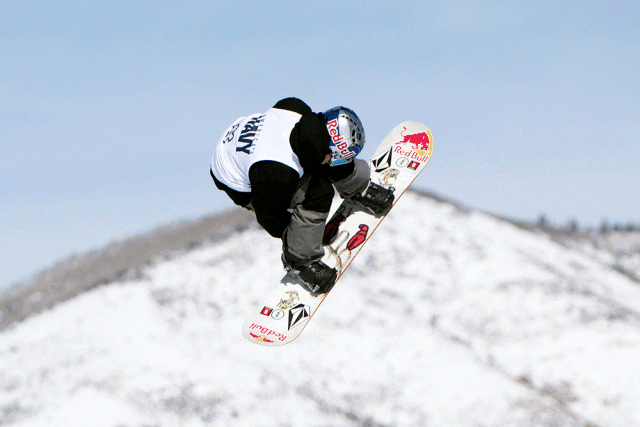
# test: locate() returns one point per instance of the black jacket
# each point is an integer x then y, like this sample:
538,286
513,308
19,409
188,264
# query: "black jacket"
274,184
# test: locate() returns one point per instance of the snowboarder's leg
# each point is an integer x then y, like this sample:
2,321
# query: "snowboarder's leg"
356,183
303,236
377,199
309,211
302,240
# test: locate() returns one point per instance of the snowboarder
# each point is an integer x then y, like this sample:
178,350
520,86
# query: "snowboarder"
284,164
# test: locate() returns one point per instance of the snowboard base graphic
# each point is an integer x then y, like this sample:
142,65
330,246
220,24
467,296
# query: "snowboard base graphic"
399,159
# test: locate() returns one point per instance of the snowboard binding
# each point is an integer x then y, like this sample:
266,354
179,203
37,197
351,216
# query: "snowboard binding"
377,200
316,276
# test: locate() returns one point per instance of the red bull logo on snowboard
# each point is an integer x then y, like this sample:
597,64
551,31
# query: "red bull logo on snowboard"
265,334
416,146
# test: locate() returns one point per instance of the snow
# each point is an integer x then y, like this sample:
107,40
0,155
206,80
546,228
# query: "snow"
446,318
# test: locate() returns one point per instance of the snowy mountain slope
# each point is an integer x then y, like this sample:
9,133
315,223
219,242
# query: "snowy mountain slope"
620,249
119,260
446,318
618,246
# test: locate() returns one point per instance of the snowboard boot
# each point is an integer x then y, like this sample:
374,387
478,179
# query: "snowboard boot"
376,199
315,275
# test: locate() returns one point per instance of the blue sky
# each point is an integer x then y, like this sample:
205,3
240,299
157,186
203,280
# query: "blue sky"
109,111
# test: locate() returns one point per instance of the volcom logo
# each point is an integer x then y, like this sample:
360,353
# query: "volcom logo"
298,314
383,161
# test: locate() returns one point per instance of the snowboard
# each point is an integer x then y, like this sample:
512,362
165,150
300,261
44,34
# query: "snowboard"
396,163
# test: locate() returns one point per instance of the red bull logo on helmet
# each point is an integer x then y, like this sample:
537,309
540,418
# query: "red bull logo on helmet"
416,146
338,143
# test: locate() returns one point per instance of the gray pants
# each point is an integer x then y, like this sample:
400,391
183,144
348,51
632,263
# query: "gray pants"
303,236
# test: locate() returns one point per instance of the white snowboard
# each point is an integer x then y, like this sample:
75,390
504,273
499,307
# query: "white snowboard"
399,159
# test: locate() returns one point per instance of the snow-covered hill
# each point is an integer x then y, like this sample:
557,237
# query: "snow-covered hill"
448,318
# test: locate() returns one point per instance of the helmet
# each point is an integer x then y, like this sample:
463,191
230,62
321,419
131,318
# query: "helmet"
347,135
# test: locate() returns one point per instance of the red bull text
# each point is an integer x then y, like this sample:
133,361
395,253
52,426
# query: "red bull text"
418,146
338,140
266,332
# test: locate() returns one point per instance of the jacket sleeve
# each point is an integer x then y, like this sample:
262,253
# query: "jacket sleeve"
273,185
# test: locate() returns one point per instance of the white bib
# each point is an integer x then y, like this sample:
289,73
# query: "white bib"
253,139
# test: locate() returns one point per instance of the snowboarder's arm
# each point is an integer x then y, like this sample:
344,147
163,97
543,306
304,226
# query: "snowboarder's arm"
272,187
